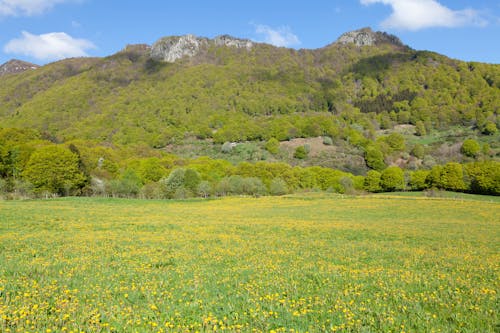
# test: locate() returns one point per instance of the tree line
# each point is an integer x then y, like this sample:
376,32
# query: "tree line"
39,168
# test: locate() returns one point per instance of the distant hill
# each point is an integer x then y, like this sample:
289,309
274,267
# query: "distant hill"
15,66
230,89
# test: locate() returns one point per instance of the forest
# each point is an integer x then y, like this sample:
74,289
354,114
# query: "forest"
270,120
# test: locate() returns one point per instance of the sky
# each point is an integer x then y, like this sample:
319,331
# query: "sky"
42,31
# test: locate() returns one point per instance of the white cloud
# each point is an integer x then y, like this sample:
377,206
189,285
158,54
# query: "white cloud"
51,46
27,7
281,36
421,14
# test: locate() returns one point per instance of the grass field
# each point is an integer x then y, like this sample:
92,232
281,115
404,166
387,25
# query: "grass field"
275,264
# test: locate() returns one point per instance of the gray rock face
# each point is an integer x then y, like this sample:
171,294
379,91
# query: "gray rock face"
16,66
367,36
170,49
226,40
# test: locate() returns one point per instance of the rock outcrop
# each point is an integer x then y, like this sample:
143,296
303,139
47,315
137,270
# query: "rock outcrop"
229,41
15,66
170,49
367,37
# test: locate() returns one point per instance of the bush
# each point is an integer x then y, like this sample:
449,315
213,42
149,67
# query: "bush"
182,193
418,151
372,181
273,146
374,158
484,177
191,180
420,128
418,180
226,148
3,186
347,185
327,141
452,177
54,169
392,179
151,191
254,186
470,148
300,153
278,187
129,185
174,181
204,189
490,128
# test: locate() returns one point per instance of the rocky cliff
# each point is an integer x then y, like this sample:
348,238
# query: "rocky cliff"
170,49
368,37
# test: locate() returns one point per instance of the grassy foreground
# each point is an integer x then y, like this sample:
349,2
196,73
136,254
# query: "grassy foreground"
283,264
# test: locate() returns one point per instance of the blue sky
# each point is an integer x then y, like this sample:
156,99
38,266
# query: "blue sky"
42,31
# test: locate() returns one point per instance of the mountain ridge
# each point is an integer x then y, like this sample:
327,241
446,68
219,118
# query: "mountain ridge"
226,93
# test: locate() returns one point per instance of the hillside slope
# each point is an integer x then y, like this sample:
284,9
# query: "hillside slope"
231,93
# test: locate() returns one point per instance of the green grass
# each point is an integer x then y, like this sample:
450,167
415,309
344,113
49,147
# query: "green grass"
297,263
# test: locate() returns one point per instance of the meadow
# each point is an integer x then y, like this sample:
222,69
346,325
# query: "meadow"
303,263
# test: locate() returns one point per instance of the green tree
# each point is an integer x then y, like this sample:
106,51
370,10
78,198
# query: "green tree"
490,128
470,148
433,179
392,179
272,146
173,182
128,185
204,189
300,153
418,151
191,180
151,170
418,180
54,169
452,177
484,177
420,128
374,158
278,187
372,181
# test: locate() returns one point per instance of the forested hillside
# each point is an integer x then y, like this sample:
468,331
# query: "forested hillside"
374,104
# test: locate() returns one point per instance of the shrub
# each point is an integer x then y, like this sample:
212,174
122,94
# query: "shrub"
484,177
470,148
191,180
374,158
452,177
151,191
392,179
278,187
174,181
418,151
273,146
254,186
54,169
226,148
372,181
490,128
129,185
347,185
327,141
204,189
418,180
300,153
420,128
182,193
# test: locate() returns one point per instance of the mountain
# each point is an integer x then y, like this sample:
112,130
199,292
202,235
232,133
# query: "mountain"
231,89
15,66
